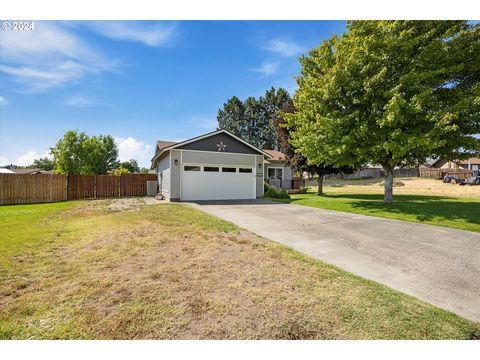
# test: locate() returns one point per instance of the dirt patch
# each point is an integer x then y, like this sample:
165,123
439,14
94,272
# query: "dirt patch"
125,204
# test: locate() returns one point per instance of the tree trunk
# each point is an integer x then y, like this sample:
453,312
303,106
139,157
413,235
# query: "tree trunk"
320,184
388,189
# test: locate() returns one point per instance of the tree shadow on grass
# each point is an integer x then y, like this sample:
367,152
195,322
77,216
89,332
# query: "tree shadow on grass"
423,208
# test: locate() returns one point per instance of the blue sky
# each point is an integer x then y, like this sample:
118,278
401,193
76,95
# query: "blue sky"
139,81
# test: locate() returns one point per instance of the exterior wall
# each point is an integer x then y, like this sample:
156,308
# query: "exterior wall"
217,158
163,175
175,175
232,145
260,174
287,173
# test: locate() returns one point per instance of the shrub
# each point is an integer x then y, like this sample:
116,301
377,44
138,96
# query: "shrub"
273,192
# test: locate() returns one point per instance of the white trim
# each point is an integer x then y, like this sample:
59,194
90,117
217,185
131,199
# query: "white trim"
171,147
220,152
180,176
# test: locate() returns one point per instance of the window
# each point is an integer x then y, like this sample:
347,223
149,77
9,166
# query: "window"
245,170
229,169
275,173
191,168
211,168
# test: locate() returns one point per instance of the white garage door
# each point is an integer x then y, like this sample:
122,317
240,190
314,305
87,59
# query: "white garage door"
212,182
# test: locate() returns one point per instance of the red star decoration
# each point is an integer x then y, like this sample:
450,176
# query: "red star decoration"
221,146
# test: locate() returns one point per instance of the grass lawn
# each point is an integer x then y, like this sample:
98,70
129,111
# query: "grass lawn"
415,199
124,270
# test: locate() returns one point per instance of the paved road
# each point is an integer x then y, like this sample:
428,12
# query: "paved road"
435,264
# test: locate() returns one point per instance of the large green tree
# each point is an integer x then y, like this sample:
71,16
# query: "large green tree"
78,153
44,163
293,156
131,165
391,93
252,119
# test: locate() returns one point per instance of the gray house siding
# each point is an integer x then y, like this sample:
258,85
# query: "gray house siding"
175,176
163,175
287,173
260,174
210,143
217,158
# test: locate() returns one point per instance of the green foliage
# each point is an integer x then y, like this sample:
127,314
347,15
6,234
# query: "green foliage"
144,170
120,171
275,193
390,92
252,120
131,166
78,153
43,163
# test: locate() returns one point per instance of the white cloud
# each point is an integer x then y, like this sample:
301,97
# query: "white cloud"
158,34
130,148
28,157
3,101
50,56
267,68
81,102
3,161
284,48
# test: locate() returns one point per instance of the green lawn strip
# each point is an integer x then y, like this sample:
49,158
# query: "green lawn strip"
54,281
458,213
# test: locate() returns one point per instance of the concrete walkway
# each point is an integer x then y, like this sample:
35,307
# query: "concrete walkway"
435,264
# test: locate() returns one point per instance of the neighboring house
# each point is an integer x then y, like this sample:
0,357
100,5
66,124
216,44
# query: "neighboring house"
6,171
30,171
468,164
213,166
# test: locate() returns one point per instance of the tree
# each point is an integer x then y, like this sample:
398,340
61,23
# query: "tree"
69,153
294,158
252,120
391,93
232,116
131,166
78,153
120,171
44,163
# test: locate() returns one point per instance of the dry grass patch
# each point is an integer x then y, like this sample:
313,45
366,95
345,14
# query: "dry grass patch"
173,272
403,186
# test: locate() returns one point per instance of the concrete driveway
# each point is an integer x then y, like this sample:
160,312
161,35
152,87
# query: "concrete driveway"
438,265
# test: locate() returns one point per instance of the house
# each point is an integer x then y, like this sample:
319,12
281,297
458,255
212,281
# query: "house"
467,164
216,166
277,173
17,171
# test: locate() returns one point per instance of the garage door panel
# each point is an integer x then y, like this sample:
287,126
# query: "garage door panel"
200,185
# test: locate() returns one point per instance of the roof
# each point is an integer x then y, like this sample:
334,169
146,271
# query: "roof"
163,144
440,161
30,171
276,155
168,145
6,171
472,160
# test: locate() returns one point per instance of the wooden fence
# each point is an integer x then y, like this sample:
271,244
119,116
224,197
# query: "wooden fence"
29,189
39,188
108,186
440,173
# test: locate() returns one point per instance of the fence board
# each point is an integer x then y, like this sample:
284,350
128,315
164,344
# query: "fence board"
32,188
135,184
38,188
107,186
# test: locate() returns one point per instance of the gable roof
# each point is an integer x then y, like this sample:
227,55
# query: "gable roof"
163,144
276,155
169,145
